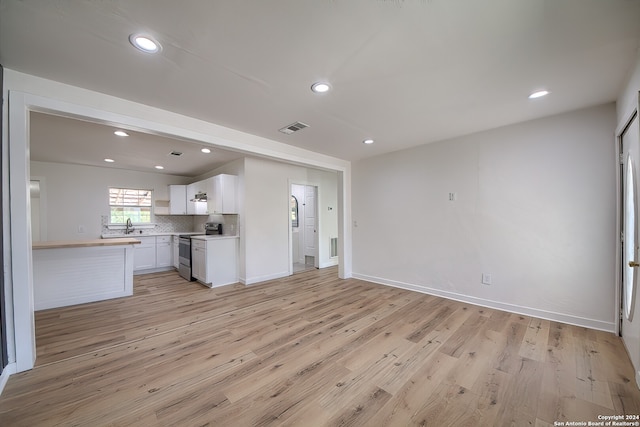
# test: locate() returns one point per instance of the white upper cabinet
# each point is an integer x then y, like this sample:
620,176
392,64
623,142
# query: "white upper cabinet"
177,199
195,207
221,191
221,198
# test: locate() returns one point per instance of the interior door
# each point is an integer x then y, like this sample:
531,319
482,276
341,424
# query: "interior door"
630,310
310,230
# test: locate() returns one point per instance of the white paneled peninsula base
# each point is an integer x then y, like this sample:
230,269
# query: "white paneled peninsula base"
76,272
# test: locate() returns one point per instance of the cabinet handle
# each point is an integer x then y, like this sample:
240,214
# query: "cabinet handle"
634,264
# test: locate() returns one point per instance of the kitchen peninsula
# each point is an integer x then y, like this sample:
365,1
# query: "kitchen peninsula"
75,272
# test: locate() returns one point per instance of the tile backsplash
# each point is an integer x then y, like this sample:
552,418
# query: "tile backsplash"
179,223
163,224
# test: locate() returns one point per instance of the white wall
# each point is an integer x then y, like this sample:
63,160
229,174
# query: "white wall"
78,195
266,225
628,99
536,208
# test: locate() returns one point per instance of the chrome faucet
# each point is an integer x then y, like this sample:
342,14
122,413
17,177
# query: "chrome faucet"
129,226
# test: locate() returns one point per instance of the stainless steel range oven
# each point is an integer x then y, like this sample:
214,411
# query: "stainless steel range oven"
184,257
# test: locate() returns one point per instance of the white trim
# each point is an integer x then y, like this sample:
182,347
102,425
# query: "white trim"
153,270
20,211
8,370
512,308
260,279
618,257
330,263
345,245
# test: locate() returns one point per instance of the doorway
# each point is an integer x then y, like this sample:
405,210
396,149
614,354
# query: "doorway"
304,227
629,305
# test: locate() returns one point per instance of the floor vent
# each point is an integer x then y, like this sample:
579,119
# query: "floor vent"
293,127
334,247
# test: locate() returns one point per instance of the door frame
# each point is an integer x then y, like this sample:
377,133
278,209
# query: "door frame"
316,260
628,117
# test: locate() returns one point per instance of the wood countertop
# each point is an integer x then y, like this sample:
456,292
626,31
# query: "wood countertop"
85,243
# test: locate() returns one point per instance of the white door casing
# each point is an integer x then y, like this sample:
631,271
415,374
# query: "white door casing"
310,226
630,310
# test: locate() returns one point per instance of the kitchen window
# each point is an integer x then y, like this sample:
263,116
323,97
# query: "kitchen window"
129,203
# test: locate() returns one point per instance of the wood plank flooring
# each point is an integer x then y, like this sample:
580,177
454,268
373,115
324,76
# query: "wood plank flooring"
311,350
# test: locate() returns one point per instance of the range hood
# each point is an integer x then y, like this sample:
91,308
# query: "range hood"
200,197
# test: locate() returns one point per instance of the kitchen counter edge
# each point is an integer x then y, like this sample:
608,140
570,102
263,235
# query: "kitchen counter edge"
214,237
56,244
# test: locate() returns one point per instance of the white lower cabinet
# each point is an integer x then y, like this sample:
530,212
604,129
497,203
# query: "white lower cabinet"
176,252
214,261
164,251
198,260
153,253
144,254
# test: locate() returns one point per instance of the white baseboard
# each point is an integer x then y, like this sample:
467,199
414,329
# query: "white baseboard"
8,370
330,263
154,270
512,308
258,279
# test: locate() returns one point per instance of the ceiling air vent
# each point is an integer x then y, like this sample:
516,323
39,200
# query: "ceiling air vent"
293,127
176,153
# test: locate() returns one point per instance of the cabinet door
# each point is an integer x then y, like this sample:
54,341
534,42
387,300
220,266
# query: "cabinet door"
177,199
164,251
176,252
223,199
222,261
198,263
210,188
200,208
191,194
193,207
144,254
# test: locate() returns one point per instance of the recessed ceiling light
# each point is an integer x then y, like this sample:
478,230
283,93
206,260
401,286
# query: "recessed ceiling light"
539,94
109,160
368,141
320,87
121,133
159,167
145,43
205,150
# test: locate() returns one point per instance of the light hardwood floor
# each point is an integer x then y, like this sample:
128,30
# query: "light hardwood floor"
311,350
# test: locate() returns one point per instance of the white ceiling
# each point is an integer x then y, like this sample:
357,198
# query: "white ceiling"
64,140
404,72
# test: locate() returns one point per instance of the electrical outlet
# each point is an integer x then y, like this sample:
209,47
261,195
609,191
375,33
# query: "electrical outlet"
486,278
81,229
